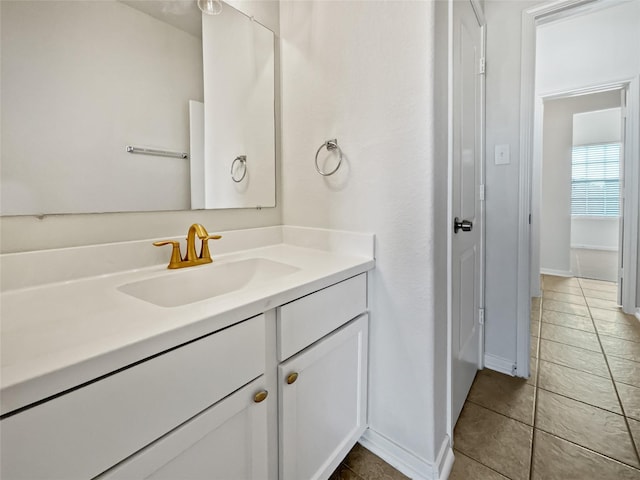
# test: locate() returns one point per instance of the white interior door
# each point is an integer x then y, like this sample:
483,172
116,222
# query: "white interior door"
467,173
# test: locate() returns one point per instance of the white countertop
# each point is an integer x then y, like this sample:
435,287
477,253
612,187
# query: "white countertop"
60,335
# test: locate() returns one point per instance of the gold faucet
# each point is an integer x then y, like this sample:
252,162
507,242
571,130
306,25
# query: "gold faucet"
191,258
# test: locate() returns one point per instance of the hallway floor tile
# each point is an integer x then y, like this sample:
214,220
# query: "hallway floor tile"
583,400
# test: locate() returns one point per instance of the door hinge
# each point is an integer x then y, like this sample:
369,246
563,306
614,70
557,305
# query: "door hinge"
481,193
481,316
482,66
529,219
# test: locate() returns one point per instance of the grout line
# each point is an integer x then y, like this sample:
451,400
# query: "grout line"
626,383
535,387
564,326
601,352
565,301
535,405
568,313
499,413
570,344
558,291
622,358
615,387
358,476
478,461
537,349
588,449
582,401
574,368
591,297
619,338
615,322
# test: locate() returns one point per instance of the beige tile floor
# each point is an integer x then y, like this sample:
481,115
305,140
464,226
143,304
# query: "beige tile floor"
576,418
361,464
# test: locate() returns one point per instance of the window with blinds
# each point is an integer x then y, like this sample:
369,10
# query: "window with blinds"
595,180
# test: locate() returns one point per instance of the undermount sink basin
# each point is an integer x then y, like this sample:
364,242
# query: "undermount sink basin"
193,284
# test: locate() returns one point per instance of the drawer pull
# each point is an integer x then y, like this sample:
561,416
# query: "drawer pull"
260,396
292,378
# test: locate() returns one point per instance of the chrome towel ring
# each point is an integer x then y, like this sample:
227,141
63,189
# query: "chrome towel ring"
331,145
242,159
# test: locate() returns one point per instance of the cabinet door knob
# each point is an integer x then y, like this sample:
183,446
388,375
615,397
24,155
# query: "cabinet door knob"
292,378
260,396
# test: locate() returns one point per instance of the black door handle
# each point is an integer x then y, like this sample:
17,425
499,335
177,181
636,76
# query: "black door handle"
464,225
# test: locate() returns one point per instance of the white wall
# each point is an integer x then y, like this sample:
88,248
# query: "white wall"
362,72
589,50
82,80
556,220
504,19
595,233
600,126
23,233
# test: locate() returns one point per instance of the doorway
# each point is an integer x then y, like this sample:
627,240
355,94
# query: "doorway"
581,208
586,77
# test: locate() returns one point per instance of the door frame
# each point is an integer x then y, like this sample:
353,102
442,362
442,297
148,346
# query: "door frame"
536,181
479,13
531,18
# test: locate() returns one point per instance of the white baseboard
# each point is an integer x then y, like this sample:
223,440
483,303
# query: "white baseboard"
445,460
557,273
499,364
638,313
406,462
595,247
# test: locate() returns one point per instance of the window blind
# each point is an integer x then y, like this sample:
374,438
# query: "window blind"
595,179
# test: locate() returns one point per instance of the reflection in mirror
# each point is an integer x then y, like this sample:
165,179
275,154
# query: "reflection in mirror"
239,81
82,80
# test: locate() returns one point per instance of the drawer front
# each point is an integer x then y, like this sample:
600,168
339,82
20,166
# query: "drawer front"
303,321
85,432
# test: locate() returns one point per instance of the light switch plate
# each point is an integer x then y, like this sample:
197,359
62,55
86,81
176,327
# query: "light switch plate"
502,155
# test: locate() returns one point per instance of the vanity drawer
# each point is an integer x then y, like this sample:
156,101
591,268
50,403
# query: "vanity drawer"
85,432
303,321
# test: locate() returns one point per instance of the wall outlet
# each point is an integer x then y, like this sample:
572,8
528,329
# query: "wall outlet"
501,155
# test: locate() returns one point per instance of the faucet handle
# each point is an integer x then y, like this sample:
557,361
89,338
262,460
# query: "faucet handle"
176,256
204,252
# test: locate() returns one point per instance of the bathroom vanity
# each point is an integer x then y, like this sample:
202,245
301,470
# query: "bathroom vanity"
265,379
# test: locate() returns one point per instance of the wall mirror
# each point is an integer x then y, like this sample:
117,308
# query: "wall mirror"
83,80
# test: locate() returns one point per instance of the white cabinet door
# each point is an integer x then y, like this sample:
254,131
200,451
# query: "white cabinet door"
228,441
322,412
